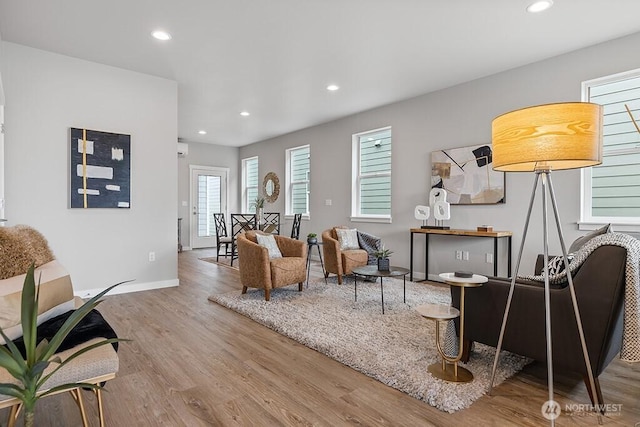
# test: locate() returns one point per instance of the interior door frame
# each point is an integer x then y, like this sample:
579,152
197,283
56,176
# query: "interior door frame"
193,169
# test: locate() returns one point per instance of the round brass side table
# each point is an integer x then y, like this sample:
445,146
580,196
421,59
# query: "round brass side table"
449,370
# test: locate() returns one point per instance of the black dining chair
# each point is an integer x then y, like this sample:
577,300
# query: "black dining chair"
271,223
222,238
239,224
295,229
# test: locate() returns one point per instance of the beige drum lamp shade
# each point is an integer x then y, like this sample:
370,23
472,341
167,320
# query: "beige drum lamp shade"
548,137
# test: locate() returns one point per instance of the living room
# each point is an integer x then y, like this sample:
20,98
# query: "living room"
46,93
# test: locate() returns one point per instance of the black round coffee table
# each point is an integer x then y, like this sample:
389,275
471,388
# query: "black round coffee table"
372,271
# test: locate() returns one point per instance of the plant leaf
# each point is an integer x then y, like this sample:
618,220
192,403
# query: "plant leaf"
29,314
41,348
12,390
73,320
15,353
10,364
39,368
79,353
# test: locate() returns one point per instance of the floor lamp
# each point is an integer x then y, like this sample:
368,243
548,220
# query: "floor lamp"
541,139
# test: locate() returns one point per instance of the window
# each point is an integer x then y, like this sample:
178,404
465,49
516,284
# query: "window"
298,161
371,192
250,188
611,191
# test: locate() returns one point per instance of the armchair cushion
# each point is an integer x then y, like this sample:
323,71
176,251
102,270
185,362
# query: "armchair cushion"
348,238
269,242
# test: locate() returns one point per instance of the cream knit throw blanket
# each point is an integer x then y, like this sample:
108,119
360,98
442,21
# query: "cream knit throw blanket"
631,331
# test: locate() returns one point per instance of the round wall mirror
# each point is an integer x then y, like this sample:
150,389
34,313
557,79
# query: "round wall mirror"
271,187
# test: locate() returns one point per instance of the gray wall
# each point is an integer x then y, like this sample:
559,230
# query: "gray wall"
46,94
205,155
454,117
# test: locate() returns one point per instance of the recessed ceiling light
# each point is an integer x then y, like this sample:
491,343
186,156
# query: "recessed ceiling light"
161,35
333,88
202,132
245,113
539,6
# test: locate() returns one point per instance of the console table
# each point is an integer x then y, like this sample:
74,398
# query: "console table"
495,235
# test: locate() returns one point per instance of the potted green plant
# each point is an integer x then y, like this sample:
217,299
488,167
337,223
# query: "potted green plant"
312,238
29,370
383,258
258,204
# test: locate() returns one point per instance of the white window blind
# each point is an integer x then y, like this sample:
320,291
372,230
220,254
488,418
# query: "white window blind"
208,203
298,180
249,184
611,191
371,196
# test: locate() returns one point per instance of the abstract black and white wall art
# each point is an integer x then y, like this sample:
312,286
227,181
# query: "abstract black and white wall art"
100,169
467,175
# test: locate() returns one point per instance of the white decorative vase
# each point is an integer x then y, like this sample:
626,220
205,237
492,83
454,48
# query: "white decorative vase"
260,218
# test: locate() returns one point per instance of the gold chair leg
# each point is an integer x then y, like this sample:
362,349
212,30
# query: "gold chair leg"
13,415
98,393
78,398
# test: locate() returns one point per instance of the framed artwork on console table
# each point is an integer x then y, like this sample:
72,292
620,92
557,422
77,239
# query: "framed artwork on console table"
100,169
467,175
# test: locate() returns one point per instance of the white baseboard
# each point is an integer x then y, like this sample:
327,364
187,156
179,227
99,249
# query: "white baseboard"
186,248
128,287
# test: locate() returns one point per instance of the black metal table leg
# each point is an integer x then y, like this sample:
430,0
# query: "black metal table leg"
404,288
509,256
426,257
411,258
321,263
355,286
382,295
309,265
495,257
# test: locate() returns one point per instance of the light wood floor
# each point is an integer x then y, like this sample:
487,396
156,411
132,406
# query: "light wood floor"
195,363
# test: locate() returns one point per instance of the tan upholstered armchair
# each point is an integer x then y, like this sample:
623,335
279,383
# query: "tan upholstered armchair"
340,262
258,271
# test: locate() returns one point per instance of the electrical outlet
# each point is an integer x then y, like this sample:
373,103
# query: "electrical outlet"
459,255
465,255
489,258
152,256
328,202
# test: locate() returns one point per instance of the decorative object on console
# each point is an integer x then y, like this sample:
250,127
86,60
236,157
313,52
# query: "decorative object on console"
440,208
540,139
100,175
421,213
485,228
467,176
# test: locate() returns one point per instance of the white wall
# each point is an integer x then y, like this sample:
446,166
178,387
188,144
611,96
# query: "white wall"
454,117
1,139
46,94
205,155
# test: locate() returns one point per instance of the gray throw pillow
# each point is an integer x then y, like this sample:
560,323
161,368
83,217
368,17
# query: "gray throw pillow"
270,243
581,241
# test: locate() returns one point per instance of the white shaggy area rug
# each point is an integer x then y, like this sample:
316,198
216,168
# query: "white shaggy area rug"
394,348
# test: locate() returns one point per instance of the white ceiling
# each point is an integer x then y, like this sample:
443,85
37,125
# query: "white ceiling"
274,58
